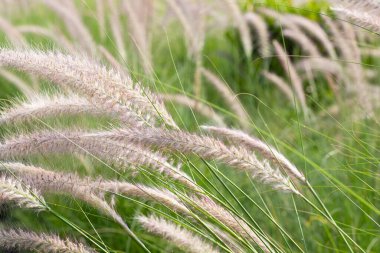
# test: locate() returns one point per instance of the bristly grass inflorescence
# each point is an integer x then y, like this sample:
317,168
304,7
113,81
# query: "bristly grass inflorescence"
106,96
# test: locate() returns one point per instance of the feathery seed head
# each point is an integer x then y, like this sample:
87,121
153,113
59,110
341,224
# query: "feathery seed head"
270,153
104,88
39,107
97,145
207,148
85,188
12,239
12,190
180,237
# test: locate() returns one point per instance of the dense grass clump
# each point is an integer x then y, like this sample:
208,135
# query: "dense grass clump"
191,126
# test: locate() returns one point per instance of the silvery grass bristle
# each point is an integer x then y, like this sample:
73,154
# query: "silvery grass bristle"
49,182
195,105
40,107
97,146
77,187
104,88
178,236
364,12
357,84
230,220
12,190
17,239
238,137
206,147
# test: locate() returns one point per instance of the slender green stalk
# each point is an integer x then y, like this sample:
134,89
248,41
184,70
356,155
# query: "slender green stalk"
261,209
328,216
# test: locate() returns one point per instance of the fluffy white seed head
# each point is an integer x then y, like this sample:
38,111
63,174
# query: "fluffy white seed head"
178,236
364,12
12,239
270,153
60,183
41,106
88,189
96,145
206,147
107,89
12,190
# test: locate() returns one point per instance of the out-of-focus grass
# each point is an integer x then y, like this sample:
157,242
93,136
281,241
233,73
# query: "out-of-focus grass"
347,153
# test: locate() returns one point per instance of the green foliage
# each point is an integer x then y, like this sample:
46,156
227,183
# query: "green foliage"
340,158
